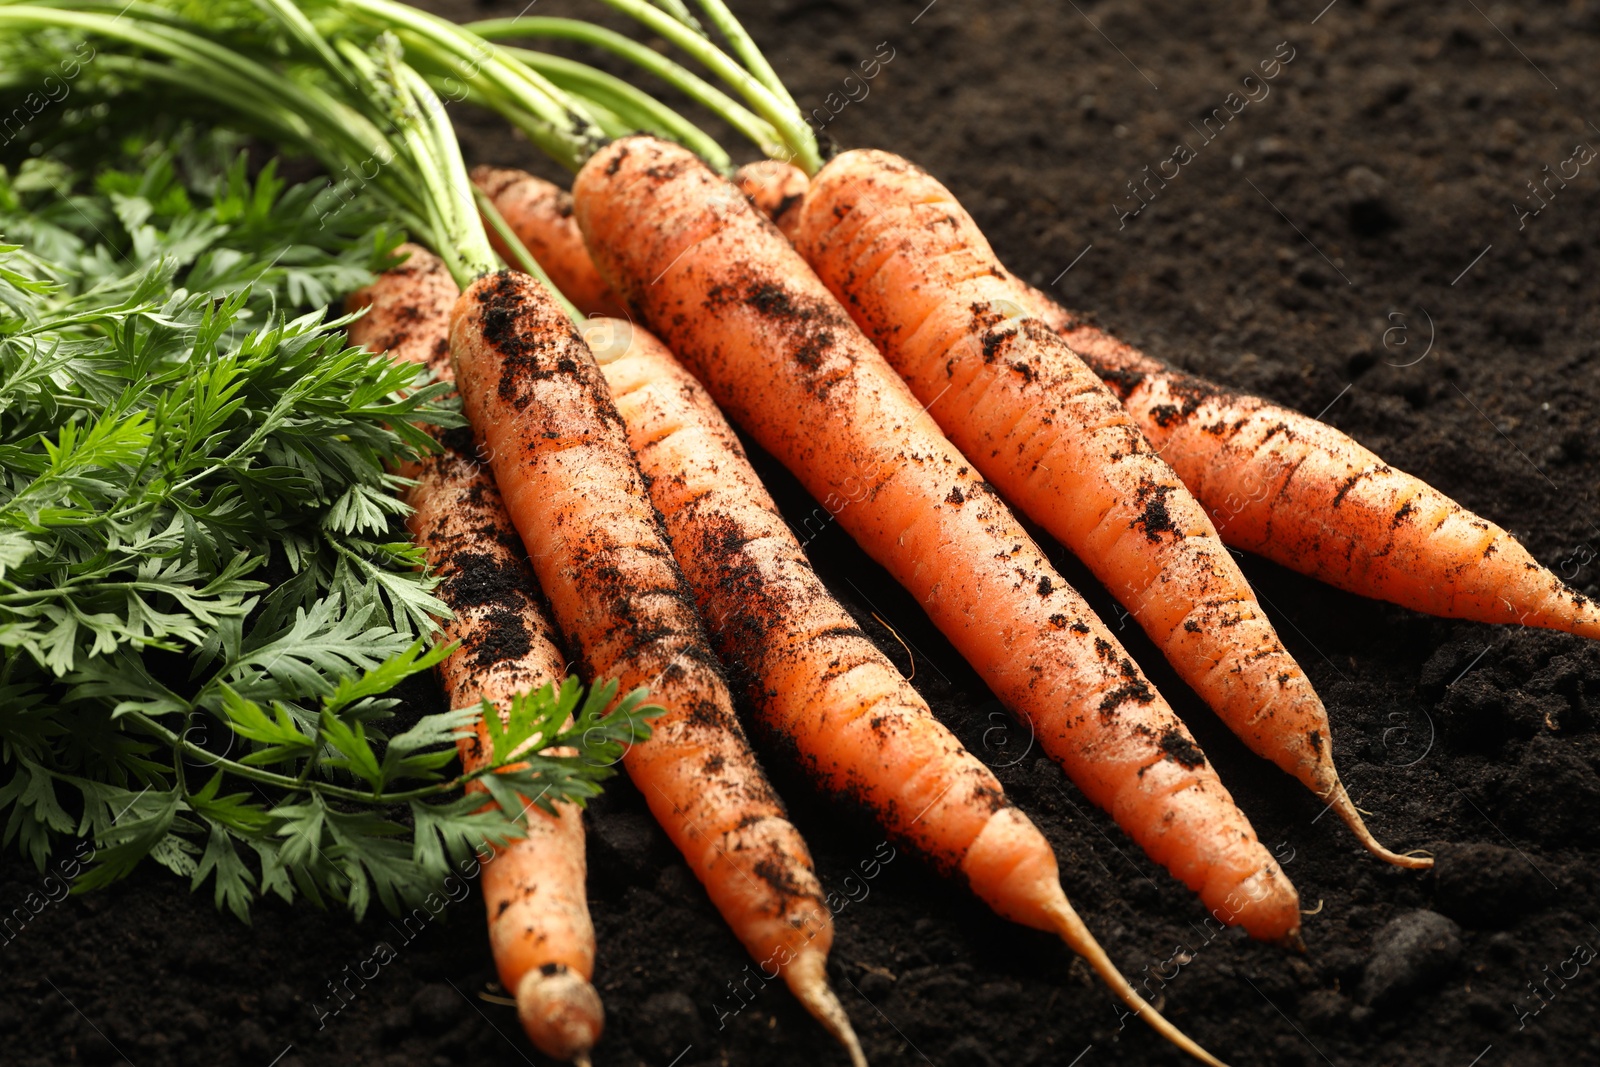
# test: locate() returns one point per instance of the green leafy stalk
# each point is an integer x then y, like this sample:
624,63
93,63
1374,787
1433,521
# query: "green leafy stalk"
755,129
559,125
776,107
207,595
388,122
745,48
635,108
680,11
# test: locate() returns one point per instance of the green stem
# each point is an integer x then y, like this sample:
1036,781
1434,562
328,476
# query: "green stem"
745,48
610,123
482,61
300,27
284,781
431,184
425,136
297,114
784,116
635,107
472,241
744,121
680,11
444,76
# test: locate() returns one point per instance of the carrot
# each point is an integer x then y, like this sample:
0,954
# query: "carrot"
408,311
1396,538
773,188
533,888
1307,496
920,279
814,680
550,235
540,214
560,453
737,304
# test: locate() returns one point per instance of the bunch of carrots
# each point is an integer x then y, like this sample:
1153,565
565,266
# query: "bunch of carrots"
853,320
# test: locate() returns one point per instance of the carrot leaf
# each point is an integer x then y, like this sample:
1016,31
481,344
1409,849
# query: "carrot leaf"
524,770
207,592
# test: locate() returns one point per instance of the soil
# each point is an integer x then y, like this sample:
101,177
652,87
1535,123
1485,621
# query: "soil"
1351,244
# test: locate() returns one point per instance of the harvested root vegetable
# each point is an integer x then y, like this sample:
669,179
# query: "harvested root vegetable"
560,454
917,275
407,311
540,214
534,888
743,312
774,188
1292,488
814,679
1305,495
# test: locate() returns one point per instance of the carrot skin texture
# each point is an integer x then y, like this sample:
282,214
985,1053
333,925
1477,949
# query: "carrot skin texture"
814,679
707,493
559,450
408,311
810,674
540,214
920,279
739,307
774,188
534,888
1307,496
1399,539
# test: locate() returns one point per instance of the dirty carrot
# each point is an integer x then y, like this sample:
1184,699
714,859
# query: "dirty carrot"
534,887
918,276
560,454
407,311
1305,495
739,307
774,188
814,679
540,214
540,411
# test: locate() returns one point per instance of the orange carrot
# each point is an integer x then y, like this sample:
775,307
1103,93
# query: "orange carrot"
773,188
408,311
812,677
551,236
540,214
920,279
737,304
1305,495
560,454
534,887
1396,539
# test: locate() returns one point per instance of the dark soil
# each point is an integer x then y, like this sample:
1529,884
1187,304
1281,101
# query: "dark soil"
1310,252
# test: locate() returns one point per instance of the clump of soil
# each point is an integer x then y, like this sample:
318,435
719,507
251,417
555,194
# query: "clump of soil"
1318,250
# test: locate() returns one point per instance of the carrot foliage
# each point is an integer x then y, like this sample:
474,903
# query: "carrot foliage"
207,593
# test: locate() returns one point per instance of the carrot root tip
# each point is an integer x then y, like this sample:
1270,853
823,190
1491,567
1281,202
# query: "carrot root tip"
1338,797
1071,929
807,978
561,1013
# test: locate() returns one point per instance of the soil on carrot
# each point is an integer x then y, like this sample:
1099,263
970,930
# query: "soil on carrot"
1328,206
